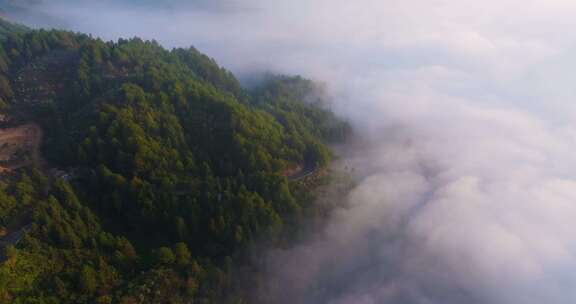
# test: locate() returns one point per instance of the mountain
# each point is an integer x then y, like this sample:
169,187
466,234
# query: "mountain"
136,174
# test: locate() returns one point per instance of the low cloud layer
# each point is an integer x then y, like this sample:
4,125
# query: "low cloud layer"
465,163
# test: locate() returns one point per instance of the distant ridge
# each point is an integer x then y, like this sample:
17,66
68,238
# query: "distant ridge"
27,12
7,27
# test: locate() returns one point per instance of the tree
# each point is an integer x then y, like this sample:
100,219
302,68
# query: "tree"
181,228
165,256
88,280
182,254
5,88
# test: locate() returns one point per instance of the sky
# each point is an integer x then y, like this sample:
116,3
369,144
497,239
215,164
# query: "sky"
465,119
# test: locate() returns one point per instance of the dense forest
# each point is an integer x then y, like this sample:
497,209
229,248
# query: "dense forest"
158,169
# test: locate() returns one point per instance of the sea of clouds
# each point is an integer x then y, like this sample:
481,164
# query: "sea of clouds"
466,120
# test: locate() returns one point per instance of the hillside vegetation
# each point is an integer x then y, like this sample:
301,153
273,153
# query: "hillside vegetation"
7,28
158,170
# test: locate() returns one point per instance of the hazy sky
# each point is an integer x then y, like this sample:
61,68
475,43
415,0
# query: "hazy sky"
467,123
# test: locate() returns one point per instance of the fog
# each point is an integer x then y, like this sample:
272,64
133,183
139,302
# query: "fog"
466,126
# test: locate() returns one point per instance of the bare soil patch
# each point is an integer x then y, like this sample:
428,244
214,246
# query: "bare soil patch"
19,146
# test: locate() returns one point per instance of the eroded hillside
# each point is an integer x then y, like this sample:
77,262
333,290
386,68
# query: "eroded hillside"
20,146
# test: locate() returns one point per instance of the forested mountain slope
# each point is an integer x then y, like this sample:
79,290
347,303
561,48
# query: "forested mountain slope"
156,169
